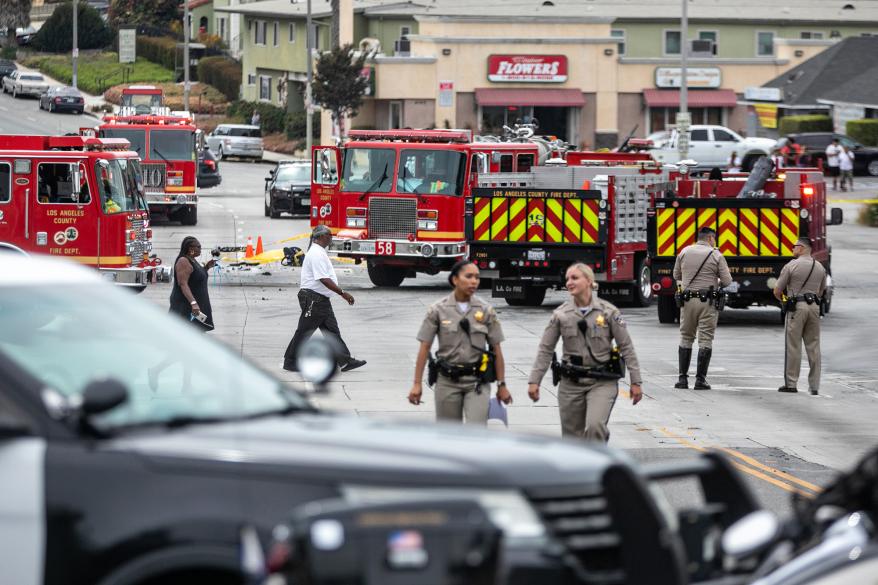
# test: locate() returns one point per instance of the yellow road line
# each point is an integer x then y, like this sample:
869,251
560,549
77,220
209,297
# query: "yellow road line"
777,472
741,467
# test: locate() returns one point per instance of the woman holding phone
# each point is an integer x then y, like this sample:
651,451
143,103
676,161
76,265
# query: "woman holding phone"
189,297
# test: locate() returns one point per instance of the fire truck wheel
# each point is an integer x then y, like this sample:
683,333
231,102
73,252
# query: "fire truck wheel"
189,215
533,297
643,284
667,309
750,161
386,276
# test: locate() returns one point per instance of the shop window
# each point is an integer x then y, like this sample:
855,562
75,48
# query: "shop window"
5,182
395,120
55,184
265,87
699,135
620,34
712,36
673,42
764,44
525,162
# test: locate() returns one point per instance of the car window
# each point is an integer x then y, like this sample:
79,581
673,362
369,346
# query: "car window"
55,184
246,132
699,135
32,77
850,143
721,135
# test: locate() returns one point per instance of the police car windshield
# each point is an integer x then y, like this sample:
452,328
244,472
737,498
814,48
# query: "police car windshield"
294,174
137,138
117,184
431,171
67,336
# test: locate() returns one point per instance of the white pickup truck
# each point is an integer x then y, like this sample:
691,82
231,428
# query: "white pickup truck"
712,146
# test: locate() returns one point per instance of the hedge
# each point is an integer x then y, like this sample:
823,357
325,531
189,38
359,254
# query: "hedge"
271,118
297,125
161,50
223,74
810,123
865,131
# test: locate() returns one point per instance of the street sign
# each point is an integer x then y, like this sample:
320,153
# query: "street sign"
127,45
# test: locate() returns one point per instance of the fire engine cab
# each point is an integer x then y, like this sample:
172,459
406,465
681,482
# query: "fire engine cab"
396,198
143,99
166,144
79,198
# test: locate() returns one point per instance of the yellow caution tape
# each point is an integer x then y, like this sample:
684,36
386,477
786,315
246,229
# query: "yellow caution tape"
864,201
294,238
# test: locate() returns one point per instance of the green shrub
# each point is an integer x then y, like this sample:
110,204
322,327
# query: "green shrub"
865,131
810,123
56,34
161,50
271,118
222,73
8,52
869,215
297,125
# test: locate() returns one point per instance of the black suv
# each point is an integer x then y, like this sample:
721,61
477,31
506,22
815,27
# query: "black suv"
815,143
288,188
135,451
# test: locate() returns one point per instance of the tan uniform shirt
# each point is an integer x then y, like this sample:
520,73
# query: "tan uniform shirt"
792,277
716,269
455,346
605,324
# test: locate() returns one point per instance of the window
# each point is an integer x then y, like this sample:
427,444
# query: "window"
673,42
810,35
431,171
265,87
259,37
505,163
251,79
221,28
404,32
244,132
395,120
55,184
368,169
710,35
525,162
5,182
275,34
620,34
117,180
764,44
137,138
699,135
723,136
166,145
292,32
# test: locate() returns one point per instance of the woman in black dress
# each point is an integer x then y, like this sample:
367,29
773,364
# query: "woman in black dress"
189,294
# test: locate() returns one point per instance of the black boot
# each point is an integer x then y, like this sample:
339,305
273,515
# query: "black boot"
684,355
701,371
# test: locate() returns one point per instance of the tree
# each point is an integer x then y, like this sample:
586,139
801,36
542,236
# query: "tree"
154,13
339,84
14,14
56,34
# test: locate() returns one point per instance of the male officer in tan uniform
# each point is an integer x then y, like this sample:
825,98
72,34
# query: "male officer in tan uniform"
700,269
803,280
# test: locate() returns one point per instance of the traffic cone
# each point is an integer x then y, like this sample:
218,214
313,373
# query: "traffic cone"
259,246
249,252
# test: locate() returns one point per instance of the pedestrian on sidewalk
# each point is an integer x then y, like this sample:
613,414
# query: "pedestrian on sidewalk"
832,160
469,332
318,283
255,118
846,166
589,371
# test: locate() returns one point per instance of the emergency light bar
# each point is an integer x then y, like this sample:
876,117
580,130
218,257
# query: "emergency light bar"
12,142
149,119
437,136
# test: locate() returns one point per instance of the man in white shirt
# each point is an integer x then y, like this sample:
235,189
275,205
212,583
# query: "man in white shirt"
832,152
318,283
846,166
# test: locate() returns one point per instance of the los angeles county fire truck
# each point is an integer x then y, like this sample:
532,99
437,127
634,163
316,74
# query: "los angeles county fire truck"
142,98
526,228
396,198
165,141
76,197
756,229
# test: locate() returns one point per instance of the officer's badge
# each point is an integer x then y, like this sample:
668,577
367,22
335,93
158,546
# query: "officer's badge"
479,316
600,321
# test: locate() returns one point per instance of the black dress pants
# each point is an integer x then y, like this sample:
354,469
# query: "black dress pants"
316,314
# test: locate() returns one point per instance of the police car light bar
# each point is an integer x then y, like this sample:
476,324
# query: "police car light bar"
434,136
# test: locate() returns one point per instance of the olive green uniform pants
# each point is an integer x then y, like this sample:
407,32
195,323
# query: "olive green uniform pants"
585,408
459,401
803,325
699,318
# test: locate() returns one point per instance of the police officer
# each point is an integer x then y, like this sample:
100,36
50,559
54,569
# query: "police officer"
803,280
698,270
588,385
466,327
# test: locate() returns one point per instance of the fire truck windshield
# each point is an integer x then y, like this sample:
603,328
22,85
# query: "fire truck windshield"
137,138
171,145
142,103
117,184
431,171
368,170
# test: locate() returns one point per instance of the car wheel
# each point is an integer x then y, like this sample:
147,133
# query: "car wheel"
14,93
51,107
219,153
267,205
750,161
873,167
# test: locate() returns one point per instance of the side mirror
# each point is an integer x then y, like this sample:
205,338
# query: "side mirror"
103,395
271,172
836,216
481,163
751,535
317,360
76,175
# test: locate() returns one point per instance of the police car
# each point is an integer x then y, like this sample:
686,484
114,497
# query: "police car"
135,451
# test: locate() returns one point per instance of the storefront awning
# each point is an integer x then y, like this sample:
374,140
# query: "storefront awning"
561,98
696,98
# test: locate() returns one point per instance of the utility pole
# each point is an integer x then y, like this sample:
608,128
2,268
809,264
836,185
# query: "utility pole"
683,118
309,107
186,85
75,52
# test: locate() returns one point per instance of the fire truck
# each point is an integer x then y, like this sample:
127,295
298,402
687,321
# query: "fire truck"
526,228
79,198
396,198
165,141
756,229
143,99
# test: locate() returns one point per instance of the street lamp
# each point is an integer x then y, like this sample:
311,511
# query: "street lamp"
309,107
186,85
75,52
683,118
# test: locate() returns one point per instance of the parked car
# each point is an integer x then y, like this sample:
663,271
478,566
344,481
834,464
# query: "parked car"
7,67
712,146
23,36
208,169
288,189
241,140
62,99
815,143
134,450
25,83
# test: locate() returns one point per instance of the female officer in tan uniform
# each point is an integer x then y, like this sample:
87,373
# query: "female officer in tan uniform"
459,394
588,325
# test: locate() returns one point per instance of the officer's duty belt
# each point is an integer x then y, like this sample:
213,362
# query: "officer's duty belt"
457,371
702,295
809,298
574,373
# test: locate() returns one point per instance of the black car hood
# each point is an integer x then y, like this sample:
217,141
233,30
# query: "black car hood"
291,185
342,448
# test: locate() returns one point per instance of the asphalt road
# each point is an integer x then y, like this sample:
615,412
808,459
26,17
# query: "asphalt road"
783,444
23,116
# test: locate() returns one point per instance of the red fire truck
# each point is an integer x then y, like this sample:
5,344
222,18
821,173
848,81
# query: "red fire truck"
525,229
76,197
143,99
165,141
755,231
396,198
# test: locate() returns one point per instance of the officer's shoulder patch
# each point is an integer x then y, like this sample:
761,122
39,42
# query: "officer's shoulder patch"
618,319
